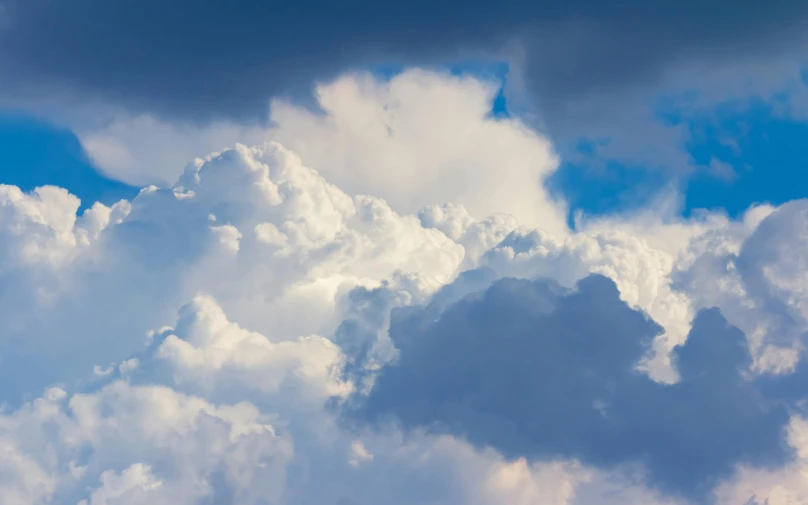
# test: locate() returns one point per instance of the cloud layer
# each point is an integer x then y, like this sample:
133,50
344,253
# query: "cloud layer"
262,49
255,334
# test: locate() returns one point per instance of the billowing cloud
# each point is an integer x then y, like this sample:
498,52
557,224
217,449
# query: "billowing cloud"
157,432
425,138
419,138
530,369
271,239
254,333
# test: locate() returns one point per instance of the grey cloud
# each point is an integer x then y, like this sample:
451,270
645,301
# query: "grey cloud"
535,370
193,60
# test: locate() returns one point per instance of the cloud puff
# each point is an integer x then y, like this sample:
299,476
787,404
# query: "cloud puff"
751,271
176,445
421,139
40,229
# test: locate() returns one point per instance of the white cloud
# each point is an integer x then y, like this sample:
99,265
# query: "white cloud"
144,150
421,138
38,228
246,273
752,271
129,443
167,445
424,139
211,352
136,484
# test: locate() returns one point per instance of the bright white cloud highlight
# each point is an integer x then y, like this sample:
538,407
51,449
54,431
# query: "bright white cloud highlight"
419,139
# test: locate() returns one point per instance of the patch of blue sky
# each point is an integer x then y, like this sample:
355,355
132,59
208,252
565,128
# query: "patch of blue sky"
753,154
742,153
593,186
34,153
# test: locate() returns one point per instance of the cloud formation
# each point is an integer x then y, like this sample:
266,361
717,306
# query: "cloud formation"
532,369
419,138
254,333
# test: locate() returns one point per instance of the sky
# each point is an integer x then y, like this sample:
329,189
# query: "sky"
303,254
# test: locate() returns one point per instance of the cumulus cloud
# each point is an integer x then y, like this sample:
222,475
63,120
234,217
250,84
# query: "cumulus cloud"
209,234
423,139
419,138
741,269
133,444
147,437
254,333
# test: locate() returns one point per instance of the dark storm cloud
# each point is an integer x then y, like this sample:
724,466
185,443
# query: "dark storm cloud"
535,370
198,59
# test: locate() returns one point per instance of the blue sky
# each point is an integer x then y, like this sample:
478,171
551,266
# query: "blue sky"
739,156
35,153
767,157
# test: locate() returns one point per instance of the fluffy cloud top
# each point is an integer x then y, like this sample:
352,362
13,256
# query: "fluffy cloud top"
255,334
420,138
